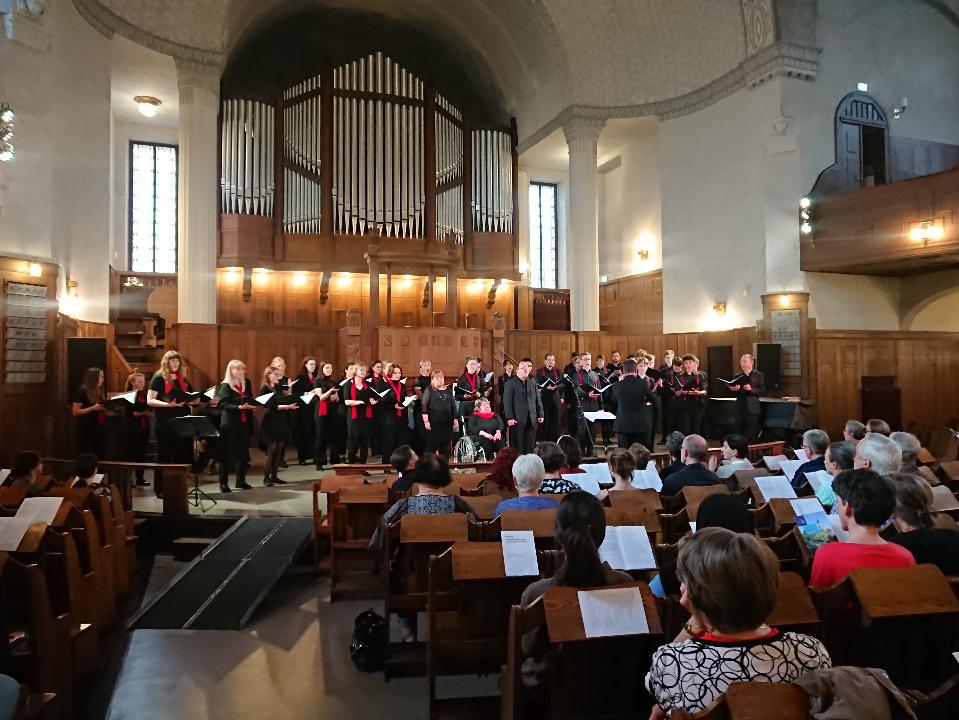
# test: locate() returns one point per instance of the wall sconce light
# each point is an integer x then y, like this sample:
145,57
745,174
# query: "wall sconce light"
862,87
7,119
898,111
260,276
232,274
784,300
344,281
719,309
35,269
805,216
927,230
299,279
406,283
643,254
147,105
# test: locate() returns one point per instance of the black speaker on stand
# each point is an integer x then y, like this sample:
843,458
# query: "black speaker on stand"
769,361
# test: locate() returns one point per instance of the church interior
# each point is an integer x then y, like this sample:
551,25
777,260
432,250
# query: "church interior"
312,310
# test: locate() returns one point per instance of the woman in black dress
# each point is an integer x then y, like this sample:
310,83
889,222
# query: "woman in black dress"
136,424
325,415
273,427
235,396
485,428
285,387
439,415
377,383
167,395
393,423
359,400
305,426
89,411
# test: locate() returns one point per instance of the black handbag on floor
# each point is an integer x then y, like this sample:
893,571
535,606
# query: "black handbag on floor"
369,641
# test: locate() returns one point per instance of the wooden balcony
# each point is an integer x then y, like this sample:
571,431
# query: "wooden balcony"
883,230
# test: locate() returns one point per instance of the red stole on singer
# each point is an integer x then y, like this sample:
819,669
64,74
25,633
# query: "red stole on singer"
353,413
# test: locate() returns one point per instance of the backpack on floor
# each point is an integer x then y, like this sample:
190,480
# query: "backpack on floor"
368,647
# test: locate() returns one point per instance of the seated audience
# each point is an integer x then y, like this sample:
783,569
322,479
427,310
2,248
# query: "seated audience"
723,511
554,462
580,530
692,454
909,446
641,455
25,472
486,428
735,456
730,584
839,456
865,500
879,453
875,425
403,461
815,443
621,466
854,431
85,470
432,474
528,474
501,473
674,446
916,532
573,453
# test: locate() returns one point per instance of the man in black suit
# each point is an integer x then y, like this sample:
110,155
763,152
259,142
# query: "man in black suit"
550,385
632,401
522,407
750,386
693,455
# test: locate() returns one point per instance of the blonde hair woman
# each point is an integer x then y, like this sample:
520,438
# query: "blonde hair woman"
136,420
167,395
235,394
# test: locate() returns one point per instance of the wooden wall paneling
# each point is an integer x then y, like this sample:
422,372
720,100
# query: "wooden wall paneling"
446,348
197,343
633,305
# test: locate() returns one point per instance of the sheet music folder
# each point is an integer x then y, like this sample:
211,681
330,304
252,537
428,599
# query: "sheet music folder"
194,426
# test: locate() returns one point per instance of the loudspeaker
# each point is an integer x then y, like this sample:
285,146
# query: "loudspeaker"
82,354
769,361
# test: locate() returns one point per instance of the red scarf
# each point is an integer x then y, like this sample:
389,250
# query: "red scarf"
242,412
321,409
485,416
369,409
472,381
579,376
710,637
168,386
398,389
144,420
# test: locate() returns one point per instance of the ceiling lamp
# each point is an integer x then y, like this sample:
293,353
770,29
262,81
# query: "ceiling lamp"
147,105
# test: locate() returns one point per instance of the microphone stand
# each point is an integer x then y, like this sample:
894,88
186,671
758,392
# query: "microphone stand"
581,418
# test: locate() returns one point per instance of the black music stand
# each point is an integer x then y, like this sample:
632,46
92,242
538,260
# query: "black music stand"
196,428
580,417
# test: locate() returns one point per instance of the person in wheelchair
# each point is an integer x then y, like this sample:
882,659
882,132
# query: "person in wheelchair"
485,428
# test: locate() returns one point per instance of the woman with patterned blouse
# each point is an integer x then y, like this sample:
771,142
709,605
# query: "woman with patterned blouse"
730,582
553,461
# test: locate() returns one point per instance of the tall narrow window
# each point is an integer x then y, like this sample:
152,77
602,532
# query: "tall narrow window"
153,199
543,267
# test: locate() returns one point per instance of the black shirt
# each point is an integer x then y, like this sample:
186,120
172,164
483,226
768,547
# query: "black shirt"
695,474
937,546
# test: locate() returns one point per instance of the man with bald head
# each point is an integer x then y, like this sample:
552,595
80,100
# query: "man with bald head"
693,456
749,386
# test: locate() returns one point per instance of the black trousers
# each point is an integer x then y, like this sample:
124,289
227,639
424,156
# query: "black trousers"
305,433
748,424
439,438
523,437
392,433
357,437
643,438
666,403
689,415
325,445
549,430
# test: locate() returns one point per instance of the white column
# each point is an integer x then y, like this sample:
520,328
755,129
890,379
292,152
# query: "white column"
197,199
582,248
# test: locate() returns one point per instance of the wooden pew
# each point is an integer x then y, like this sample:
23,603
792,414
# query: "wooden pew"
374,468
327,486
470,598
794,609
353,569
742,479
483,505
755,700
97,565
694,495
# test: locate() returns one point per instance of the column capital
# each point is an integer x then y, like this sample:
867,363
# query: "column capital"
196,80
582,132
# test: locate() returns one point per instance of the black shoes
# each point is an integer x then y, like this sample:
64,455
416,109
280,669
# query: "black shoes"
277,481
224,488
243,485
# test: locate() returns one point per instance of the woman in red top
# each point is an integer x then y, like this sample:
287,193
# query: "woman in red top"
325,410
359,399
865,500
137,424
305,426
235,395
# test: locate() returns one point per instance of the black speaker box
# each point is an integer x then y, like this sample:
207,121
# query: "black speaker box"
769,361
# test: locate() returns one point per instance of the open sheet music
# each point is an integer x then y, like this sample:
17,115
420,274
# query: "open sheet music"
614,611
647,479
12,530
627,547
819,478
4,474
789,467
773,461
39,509
775,486
599,415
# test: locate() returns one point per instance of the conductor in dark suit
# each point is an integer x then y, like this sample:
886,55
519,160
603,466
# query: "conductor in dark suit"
749,386
632,401
522,407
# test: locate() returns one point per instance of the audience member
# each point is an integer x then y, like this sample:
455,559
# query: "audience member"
839,456
875,425
854,431
85,470
864,501
815,443
735,456
621,466
432,474
730,584
674,446
909,446
501,472
580,530
641,455
554,460
879,453
403,461
25,471
916,532
692,454
528,475
573,452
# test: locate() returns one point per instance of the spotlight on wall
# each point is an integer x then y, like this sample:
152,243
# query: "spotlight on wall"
344,281
862,87
261,276
643,254
784,300
232,274
927,230
7,118
719,309
805,216
299,279
147,105
406,283
604,278
898,111
35,269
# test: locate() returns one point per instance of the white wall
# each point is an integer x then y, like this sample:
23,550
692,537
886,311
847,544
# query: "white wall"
940,315
56,201
630,207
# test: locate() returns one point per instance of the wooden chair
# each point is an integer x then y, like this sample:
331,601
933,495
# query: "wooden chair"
407,547
755,700
483,505
470,598
574,662
740,479
97,564
757,451
794,609
674,526
541,522
792,552
904,620
11,497
925,457
353,569
773,519
635,514
695,494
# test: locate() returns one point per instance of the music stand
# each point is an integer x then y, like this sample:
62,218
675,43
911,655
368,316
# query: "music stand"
196,427
589,447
